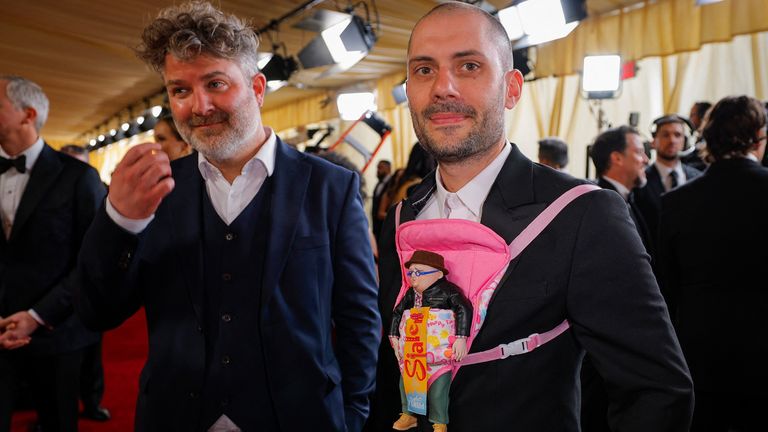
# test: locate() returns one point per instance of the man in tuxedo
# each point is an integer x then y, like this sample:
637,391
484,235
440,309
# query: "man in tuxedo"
259,294
383,174
48,201
667,171
588,265
713,275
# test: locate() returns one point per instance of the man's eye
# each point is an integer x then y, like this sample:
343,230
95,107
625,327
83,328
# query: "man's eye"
216,84
470,66
177,91
423,70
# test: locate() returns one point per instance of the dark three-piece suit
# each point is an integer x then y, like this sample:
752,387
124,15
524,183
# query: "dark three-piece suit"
271,320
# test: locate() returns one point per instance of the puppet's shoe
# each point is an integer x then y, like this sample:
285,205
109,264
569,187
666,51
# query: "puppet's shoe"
405,422
440,427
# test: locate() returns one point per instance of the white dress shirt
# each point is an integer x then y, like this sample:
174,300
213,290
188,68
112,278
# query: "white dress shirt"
229,200
467,202
13,184
666,180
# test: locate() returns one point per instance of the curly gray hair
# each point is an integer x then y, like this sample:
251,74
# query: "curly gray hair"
191,29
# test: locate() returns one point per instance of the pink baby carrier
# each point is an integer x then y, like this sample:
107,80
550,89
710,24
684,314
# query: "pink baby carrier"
477,259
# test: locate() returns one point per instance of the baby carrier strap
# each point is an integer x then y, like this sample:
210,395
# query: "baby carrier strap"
526,345
516,247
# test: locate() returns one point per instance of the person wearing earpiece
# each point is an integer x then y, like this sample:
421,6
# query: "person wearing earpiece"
670,140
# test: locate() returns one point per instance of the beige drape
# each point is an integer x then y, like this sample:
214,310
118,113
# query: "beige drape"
660,28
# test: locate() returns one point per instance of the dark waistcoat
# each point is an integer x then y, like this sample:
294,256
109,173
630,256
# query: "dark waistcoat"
234,255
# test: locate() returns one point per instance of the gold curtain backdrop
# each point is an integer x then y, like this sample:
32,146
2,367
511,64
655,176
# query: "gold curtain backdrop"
658,28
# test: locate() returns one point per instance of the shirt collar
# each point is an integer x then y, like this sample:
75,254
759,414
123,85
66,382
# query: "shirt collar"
620,188
474,193
32,153
266,156
665,170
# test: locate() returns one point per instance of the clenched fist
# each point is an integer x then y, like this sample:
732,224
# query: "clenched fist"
141,181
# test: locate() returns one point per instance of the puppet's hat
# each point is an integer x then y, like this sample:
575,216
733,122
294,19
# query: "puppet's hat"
428,258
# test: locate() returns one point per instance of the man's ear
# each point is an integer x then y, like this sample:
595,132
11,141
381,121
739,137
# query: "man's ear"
259,84
513,80
30,116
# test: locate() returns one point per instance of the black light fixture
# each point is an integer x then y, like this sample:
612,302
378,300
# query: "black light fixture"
521,61
280,68
377,123
344,43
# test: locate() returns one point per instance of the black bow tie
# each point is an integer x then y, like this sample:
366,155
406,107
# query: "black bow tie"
20,163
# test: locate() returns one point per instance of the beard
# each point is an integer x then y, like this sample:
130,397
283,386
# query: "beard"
452,147
239,126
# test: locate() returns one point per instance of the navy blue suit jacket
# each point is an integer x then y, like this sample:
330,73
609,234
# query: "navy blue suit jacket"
318,285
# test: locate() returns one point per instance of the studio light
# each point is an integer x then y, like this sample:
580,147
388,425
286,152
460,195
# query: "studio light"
706,2
352,105
279,68
533,22
156,111
377,123
344,43
601,76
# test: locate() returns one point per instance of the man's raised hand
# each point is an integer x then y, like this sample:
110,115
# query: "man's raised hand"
141,181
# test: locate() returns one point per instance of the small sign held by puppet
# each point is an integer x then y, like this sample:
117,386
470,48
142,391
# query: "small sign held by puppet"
429,330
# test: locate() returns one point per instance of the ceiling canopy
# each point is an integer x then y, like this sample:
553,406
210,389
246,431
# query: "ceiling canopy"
79,51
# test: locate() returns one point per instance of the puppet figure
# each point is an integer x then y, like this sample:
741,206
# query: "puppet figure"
429,339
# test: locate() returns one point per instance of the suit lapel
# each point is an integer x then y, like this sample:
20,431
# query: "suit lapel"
44,173
289,186
185,220
511,204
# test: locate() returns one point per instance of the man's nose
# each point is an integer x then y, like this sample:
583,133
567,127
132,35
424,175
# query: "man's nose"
201,103
445,85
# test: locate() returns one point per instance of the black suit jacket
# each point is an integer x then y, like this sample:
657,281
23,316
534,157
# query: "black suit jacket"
37,262
648,197
588,266
319,284
648,239
713,274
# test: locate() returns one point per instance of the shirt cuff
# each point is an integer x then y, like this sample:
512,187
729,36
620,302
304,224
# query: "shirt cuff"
133,226
37,317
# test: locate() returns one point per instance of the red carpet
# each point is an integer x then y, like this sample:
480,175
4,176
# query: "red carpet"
125,350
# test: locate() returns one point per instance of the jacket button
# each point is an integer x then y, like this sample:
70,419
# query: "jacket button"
192,395
226,277
226,360
124,261
226,318
229,236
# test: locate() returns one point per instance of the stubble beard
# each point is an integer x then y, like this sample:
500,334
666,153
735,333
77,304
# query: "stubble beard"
452,148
